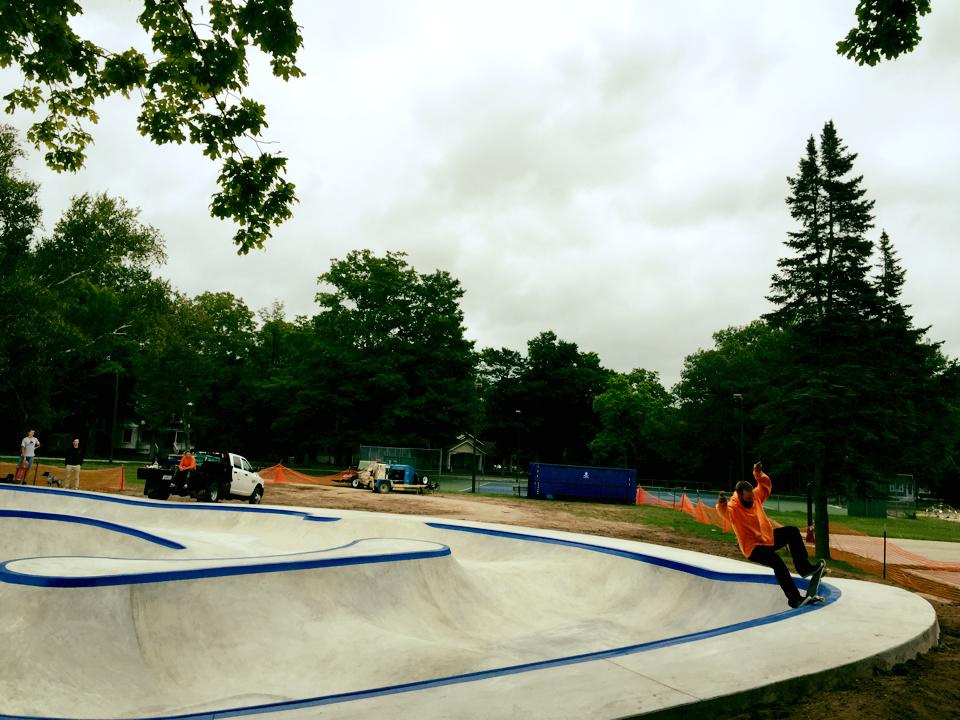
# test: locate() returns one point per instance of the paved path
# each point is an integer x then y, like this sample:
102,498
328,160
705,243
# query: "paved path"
938,551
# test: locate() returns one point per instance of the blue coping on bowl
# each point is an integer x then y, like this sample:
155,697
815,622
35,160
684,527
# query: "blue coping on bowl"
831,594
103,524
159,504
284,564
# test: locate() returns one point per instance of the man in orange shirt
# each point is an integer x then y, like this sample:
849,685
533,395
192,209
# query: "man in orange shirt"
187,462
758,539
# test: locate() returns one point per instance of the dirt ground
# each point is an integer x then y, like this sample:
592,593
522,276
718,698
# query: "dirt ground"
927,688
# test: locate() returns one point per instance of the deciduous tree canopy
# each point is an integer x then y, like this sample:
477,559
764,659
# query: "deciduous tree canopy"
190,82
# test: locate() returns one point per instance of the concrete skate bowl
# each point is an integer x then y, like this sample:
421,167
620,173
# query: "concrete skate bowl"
119,608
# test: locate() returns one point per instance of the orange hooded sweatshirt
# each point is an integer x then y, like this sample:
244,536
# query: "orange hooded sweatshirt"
188,462
751,525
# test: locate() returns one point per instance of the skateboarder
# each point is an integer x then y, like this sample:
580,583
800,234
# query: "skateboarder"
759,541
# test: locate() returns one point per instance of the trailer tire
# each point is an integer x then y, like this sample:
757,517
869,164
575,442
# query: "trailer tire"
355,483
383,487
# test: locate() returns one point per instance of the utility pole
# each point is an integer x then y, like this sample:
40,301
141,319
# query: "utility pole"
116,397
739,397
473,439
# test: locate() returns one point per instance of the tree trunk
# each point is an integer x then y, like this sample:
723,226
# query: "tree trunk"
821,520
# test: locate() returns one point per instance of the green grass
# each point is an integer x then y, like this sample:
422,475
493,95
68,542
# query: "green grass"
645,515
898,528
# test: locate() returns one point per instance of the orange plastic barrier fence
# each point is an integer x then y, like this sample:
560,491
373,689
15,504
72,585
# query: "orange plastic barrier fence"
903,567
864,552
700,512
103,479
282,474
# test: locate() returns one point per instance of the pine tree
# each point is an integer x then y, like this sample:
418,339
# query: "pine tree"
889,282
912,427
824,299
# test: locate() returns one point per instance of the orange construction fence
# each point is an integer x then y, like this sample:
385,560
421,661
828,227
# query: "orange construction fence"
867,553
102,479
698,511
282,474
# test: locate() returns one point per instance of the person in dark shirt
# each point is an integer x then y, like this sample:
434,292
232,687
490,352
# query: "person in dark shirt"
73,462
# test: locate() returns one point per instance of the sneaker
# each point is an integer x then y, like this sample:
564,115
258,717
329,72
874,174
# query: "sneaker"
796,604
820,565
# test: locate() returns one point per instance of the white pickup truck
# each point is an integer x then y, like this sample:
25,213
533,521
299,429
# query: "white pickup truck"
218,476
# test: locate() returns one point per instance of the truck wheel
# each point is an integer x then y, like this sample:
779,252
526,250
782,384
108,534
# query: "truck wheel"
257,495
159,495
212,493
355,483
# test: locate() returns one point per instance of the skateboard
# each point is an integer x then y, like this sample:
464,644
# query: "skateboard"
814,584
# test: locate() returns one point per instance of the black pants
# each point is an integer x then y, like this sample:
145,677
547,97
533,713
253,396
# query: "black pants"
767,555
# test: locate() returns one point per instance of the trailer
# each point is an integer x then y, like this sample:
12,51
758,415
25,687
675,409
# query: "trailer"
551,482
403,478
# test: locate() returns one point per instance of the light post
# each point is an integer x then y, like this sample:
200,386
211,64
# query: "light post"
186,424
739,397
517,459
116,397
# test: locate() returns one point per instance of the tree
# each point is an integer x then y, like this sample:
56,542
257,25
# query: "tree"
634,414
743,361
919,422
391,349
824,297
282,389
889,282
556,395
500,375
99,300
885,28
191,87
21,318
856,370
192,369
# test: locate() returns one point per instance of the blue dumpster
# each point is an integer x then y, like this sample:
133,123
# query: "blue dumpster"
566,481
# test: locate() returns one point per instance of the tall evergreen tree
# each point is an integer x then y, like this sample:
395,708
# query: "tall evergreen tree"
824,297
889,282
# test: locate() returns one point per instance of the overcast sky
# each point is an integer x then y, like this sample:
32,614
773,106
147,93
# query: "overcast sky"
612,171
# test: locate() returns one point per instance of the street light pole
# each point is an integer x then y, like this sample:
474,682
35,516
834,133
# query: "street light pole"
473,478
519,417
186,423
473,439
116,397
738,396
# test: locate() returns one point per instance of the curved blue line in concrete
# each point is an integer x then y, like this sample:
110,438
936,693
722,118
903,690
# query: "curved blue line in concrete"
760,578
58,581
167,506
92,522
830,593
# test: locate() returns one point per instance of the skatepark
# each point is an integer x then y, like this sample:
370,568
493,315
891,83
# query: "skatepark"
125,608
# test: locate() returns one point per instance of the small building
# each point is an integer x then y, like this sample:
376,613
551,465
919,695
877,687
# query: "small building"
902,488
131,437
467,454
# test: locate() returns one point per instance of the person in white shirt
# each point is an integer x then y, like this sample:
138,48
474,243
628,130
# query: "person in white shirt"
28,449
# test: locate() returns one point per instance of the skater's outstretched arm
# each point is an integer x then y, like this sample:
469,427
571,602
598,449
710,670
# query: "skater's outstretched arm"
764,486
722,506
